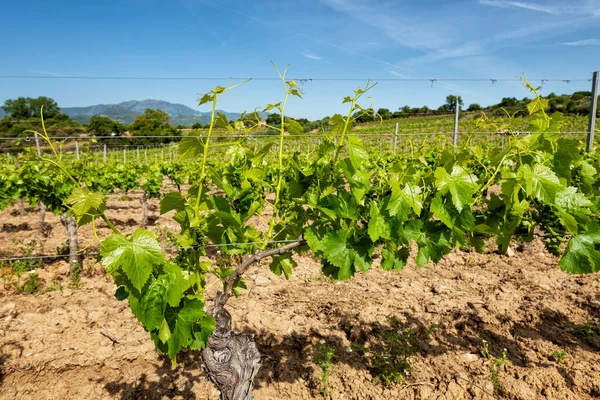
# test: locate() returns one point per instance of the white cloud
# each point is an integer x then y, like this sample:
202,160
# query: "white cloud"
403,28
489,44
519,4
311,56
585,42
47,73
296,33
458,90
351,51
399,75
464,50
556,7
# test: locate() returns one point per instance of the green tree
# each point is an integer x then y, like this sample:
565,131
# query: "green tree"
509,102
577,96
365,116
17,108
51,108
273,120
26,107
384,113
450,105
153,123
103,126
474,107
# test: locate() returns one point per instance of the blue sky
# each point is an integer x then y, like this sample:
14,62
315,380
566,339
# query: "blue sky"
479,39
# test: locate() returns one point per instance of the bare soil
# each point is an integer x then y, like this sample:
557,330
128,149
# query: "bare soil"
81,343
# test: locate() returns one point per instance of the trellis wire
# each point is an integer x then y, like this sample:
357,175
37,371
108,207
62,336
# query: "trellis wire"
216,245
274,137
303,80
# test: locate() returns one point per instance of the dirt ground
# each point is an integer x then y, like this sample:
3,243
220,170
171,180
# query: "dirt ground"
81,343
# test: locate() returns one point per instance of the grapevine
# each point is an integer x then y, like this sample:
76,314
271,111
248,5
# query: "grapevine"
344,203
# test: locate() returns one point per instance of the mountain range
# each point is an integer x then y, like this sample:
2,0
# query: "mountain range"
126,112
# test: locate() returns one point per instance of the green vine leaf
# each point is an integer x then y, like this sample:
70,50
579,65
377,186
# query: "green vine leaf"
582,255
439,210
172,201
190,148
460,183
153,306
183,321
337,253
203,328
359,155
404,199
135,255
283,263
86,204
394,259
378,224
541,182
293,127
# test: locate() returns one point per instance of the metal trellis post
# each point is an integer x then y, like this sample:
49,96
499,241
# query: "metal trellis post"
593,110
456,111
396,138
37,146
77,150
104,153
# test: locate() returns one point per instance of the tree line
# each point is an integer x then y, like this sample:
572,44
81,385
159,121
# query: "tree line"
24,114
154,126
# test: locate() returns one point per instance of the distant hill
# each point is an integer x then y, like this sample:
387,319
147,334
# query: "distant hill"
172,109
126,112
113,111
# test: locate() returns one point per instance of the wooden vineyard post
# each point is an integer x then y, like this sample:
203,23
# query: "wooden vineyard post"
593,110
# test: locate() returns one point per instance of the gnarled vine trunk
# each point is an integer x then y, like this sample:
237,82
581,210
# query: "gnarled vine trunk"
21,206
231,358
42,219
70,225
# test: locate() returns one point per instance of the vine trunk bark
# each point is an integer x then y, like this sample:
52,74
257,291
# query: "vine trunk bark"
42,219
231,358
70,225
21,207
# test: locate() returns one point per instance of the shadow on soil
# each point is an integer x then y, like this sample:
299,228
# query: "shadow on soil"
12,228
288,358
8,349
173,382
